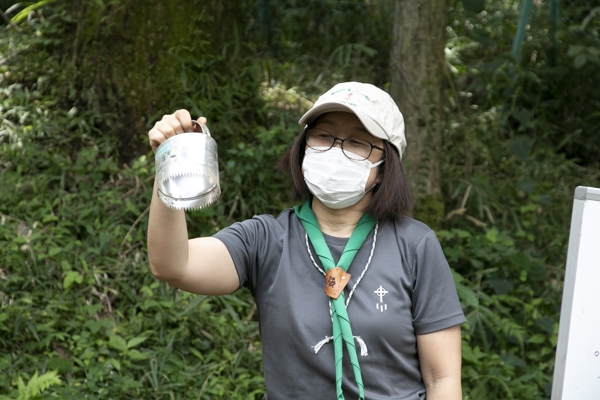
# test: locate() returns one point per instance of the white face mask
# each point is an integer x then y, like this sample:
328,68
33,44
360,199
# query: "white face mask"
333,178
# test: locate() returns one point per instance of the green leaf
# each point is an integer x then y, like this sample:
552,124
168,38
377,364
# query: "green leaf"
25,12
492,235
537,272
64,264
49,218
528,208
70,278
21,384
462,234
135,341
537,338
501,286
467,295
131,207
196,353
470,354
575,49
115,363
84,264
117,343
137,355
38,384
519,259
514,360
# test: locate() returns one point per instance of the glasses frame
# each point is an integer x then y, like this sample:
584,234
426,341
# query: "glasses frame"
341,144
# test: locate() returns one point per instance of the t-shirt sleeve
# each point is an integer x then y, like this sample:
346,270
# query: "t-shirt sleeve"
247,243
435,303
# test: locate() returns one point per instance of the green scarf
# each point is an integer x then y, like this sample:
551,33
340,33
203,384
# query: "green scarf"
342,332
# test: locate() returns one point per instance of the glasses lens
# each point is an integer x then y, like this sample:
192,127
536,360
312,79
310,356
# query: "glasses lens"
356,149
319,140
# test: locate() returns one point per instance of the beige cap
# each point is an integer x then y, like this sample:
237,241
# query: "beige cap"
375,108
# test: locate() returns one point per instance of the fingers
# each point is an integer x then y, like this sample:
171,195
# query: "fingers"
157,135
201,121
170,125
183,120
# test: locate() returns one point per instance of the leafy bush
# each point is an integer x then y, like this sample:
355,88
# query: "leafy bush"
80,313
76,293
509,185
77,296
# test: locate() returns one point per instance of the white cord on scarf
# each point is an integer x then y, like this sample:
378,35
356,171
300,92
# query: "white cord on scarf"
361,343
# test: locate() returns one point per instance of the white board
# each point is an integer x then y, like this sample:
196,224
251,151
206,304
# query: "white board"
577,365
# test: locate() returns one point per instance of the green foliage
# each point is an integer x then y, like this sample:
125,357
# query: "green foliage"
430,210
318,43
76,293
511,320
550,95
77,300
35,386
25,12
510,175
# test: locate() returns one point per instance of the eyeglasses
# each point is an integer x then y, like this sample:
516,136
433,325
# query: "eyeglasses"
353,148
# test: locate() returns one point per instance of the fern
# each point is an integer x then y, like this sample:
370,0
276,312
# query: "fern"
36,385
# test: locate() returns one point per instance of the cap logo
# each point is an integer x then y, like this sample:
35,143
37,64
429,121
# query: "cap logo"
337,91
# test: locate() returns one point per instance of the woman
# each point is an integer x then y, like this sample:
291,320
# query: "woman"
387,324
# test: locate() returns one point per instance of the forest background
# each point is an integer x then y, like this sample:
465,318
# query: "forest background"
81,315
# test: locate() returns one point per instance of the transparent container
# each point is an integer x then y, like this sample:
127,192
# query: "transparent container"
187,170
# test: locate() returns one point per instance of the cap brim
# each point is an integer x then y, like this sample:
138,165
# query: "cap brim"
371,125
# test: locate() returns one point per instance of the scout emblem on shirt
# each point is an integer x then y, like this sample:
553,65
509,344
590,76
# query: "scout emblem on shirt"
381,306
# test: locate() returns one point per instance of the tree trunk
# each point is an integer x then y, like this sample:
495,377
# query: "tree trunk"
416,64
133,60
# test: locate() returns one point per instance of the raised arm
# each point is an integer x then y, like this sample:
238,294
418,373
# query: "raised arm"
200,265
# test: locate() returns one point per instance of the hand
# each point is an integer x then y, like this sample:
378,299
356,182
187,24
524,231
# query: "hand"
170,125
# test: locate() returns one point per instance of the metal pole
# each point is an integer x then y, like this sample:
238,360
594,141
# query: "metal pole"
520,35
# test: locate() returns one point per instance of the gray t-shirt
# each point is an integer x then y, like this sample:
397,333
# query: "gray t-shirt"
407,290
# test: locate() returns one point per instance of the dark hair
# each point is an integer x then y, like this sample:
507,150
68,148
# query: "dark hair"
391,198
